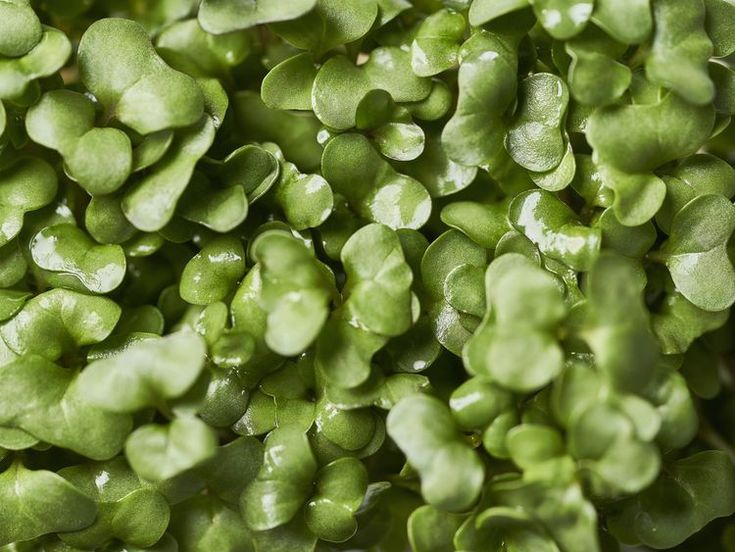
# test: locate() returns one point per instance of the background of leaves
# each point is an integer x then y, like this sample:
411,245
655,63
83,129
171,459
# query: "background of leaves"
367,274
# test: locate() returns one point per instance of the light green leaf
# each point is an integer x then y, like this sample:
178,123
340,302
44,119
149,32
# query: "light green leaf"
157,452
129,381
38,502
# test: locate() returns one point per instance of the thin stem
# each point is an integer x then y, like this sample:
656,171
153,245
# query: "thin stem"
709,435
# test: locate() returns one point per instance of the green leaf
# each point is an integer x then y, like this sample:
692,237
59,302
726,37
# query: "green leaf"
595,77
487,86
680,50
432,530
555,229
100,159
288,85
563,19
69,252
325,27
127,511
283,483
20,29
57,411
534,139
128,381
224,16
629,21
483,11
638,197
59,321
451,473
43,60
151,202
306,199
436,46
678,323
696,252
251,167
378,287
689,494
296,292
206,523
157,452
484,224
617,321
339,492
515,345
118,64
640,138
718,23
38,502
530,444
212,273
26,185
372,187
344,352
631,241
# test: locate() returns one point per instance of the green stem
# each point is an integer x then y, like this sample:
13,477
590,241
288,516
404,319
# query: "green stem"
709,435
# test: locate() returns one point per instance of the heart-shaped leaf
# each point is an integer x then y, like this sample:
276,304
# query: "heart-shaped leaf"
59,321
38,502
69,252
534,139
157,452
26,185
100,159
680,51
451,473
696,252
132,82
224,16
128,381
213,272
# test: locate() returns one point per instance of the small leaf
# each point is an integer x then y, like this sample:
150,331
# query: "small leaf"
696,252
69,252
681,50
213,272
451,473
38,502
534,139
128,381
563,18
157,452
436,46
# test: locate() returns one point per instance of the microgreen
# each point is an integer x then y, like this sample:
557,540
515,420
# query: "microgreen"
371,275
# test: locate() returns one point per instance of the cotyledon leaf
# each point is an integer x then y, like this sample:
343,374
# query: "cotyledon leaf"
132,82
370,184
681,50
534,139
487,86
224,16
38,502
68,251
696,252
151,202
43,60
20,28
56,411
100,159
58,321
128,381
25,185
640,138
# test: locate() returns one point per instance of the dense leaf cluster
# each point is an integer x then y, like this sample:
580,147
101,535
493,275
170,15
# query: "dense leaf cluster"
297,275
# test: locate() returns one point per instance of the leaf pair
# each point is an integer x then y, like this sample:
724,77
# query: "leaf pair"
284,486
516,345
